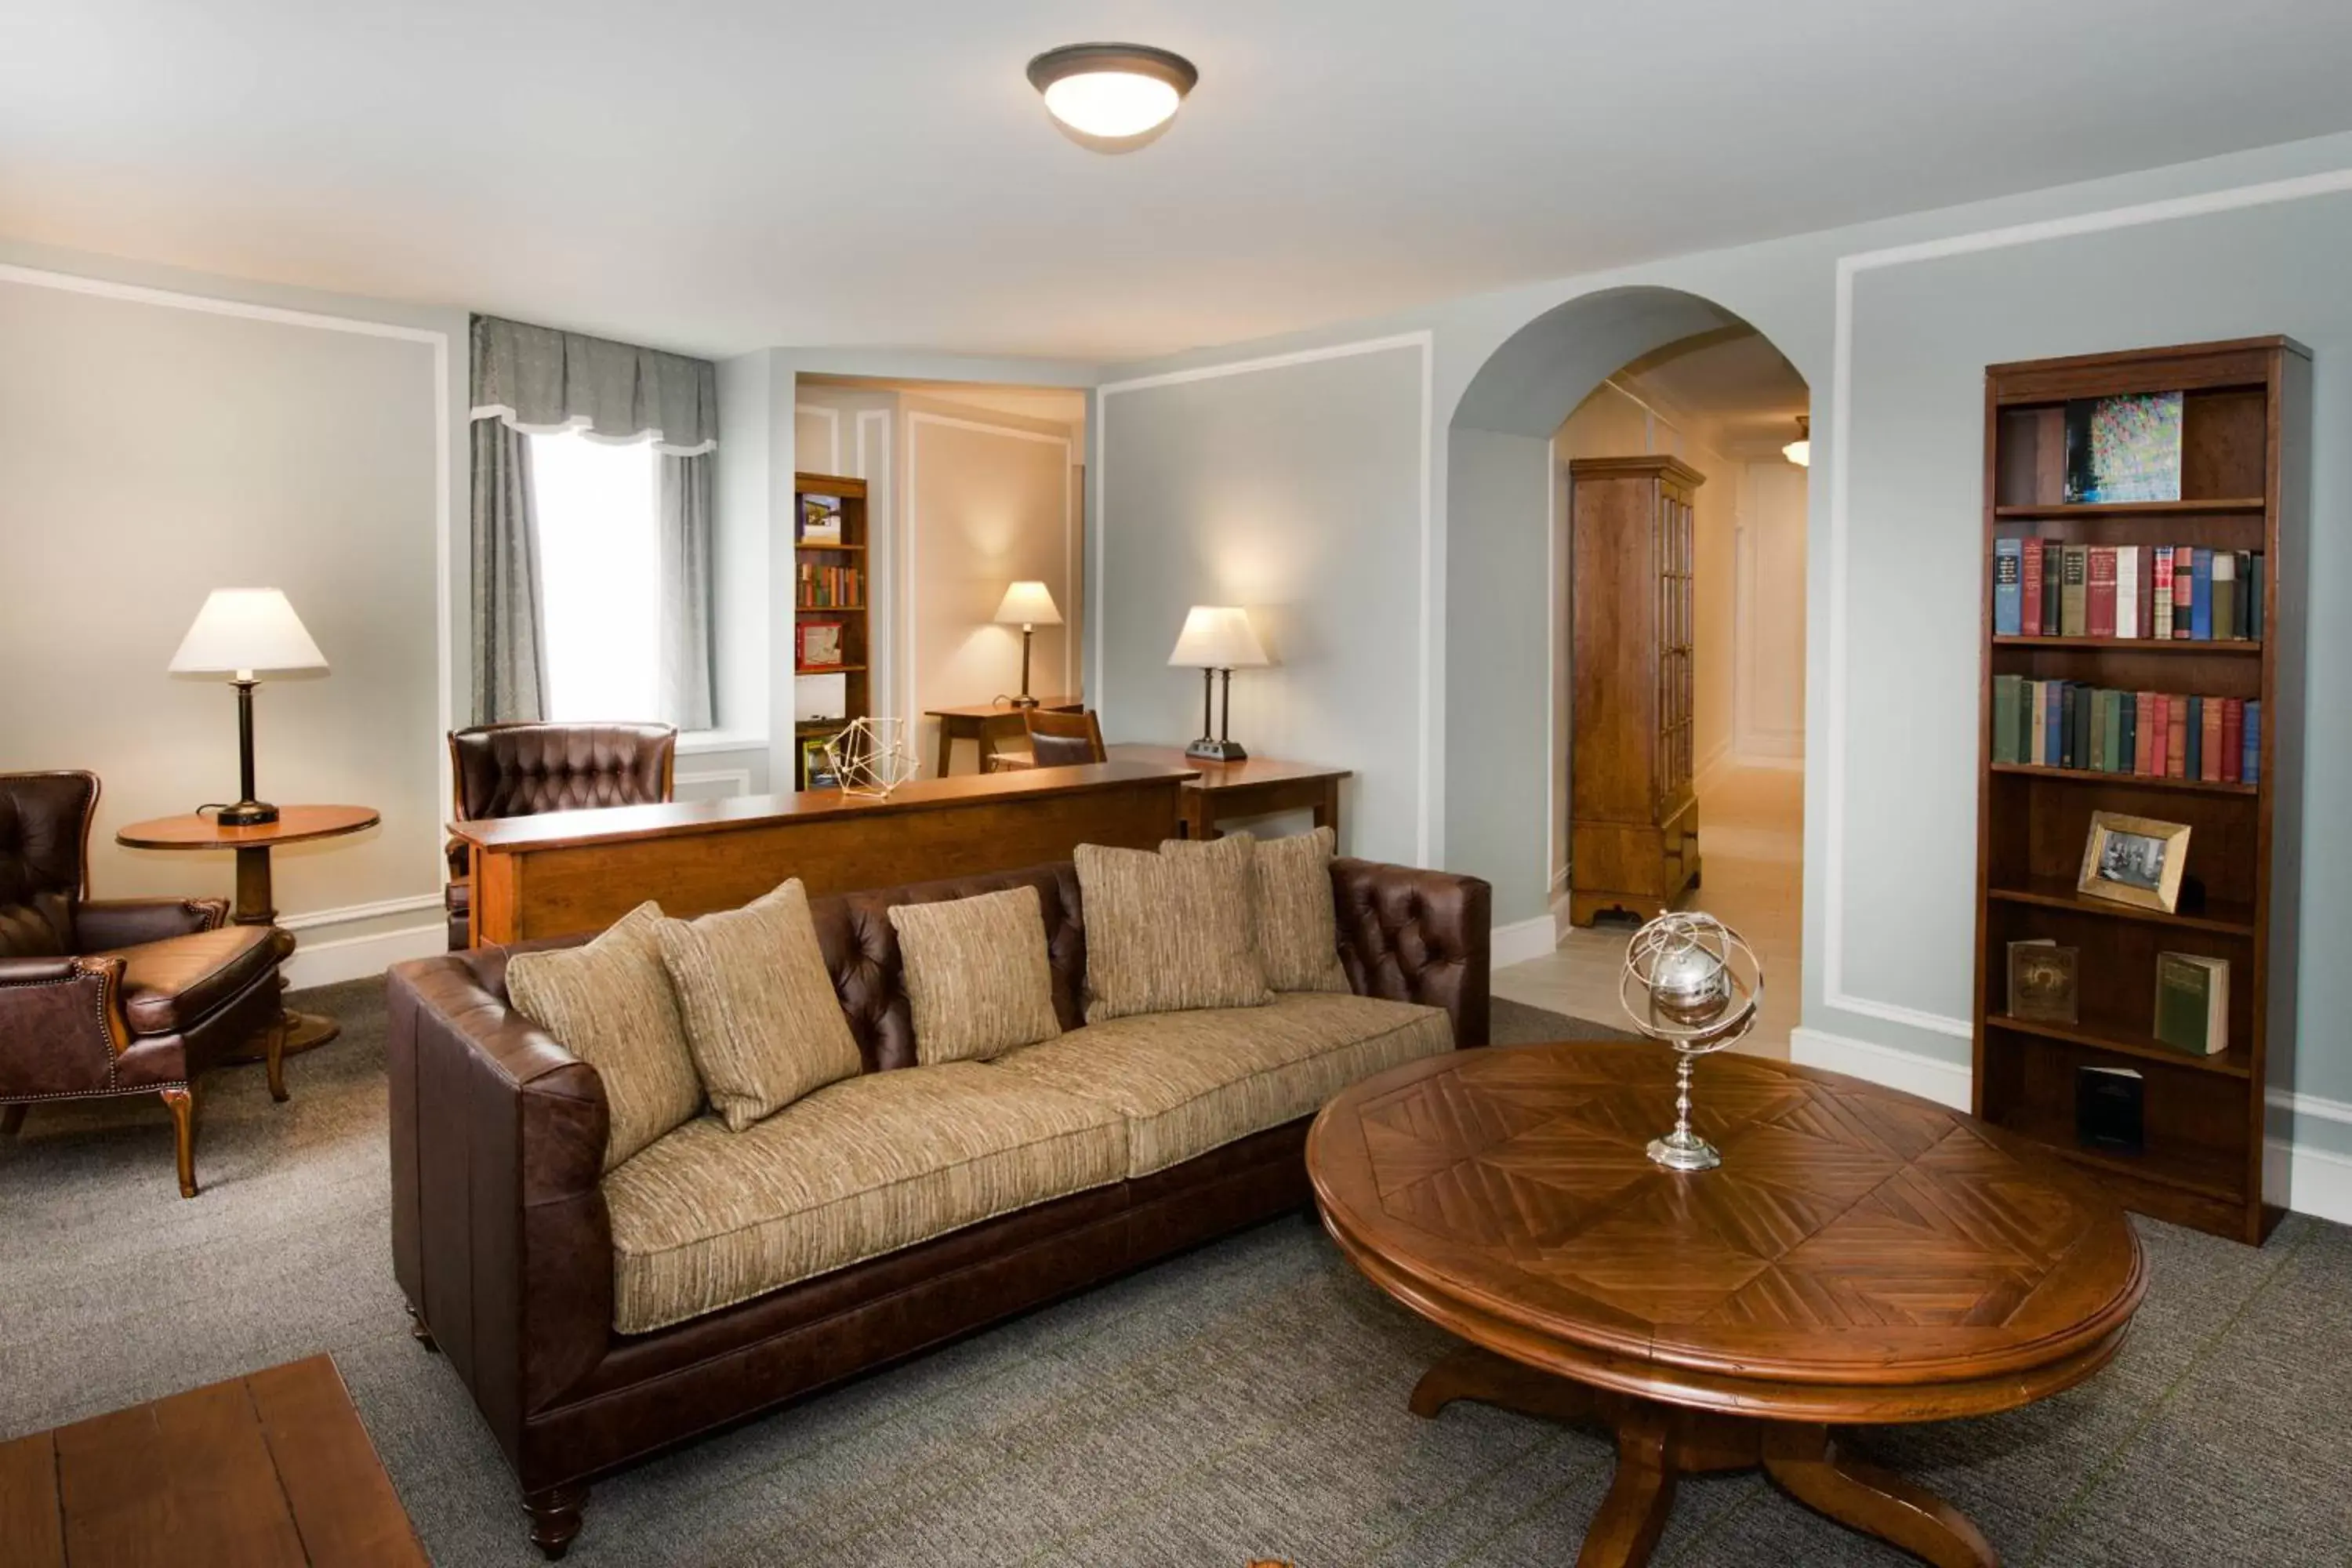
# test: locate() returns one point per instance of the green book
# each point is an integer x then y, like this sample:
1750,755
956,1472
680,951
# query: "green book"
2254,596
2072,589
2111,733
2006,690
2192,1002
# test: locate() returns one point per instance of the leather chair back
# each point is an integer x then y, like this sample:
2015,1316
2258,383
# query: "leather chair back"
1063,740
44,859
523,770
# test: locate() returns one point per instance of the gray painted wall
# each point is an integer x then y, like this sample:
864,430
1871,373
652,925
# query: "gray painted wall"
1294,492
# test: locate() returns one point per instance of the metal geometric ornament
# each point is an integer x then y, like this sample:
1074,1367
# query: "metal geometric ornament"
1698,984
870,757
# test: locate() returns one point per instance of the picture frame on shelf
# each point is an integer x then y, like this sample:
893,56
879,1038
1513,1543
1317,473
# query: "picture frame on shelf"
2042,982
2134,860
818,647
817,770
820,518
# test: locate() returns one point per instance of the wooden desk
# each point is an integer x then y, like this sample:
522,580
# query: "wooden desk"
269,1470
987,725
1250,788
570,871
256,904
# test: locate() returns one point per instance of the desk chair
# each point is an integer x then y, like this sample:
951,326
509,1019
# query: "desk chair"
1057,741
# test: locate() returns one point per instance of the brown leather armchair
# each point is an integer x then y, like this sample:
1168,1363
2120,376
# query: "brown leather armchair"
122,996
523,770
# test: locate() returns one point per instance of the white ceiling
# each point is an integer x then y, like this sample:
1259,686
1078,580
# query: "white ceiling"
725,175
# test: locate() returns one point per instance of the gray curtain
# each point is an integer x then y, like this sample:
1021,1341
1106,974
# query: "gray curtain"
530,380
688,654
510,676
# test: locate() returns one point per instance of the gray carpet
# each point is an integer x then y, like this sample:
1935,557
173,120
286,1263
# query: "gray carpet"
1246,1400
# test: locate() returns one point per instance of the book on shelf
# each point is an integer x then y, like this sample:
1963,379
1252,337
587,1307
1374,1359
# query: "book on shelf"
2209,752
2176,736
2131,591
2192,760
2200,594
2099,591
2006,730
2072,589
2184,589
2008,589
2192,1002
2145,708
2041,981
2161,598
2252,578
2234,742
2225,594
2123,448
2250,760
2150,734
2054,572
2029,587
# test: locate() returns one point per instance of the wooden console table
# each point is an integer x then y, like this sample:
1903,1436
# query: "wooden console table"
269,1470
570,871
1252,787
256,905
988,725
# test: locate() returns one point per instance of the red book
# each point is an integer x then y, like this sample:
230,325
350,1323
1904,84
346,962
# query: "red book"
2176,736
2233,737
2160,602
2144,741
2184,590
2154,727
2209,748
2099,597
2029,583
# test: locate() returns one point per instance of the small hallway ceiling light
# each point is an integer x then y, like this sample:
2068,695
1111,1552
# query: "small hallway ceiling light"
1800,450
1112,98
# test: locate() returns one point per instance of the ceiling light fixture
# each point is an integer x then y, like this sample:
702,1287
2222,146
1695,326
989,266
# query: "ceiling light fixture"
1112,98
1800,450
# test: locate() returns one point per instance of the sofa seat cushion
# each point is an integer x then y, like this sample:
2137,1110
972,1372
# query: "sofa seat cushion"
170,986
703,1219
1189,1082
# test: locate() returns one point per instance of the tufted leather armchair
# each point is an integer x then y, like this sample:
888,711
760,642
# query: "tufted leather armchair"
523,770
123,996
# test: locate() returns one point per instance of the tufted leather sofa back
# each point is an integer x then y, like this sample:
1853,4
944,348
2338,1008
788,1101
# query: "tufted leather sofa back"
522,770
44,859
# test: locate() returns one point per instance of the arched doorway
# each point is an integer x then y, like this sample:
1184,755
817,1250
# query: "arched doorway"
1626,372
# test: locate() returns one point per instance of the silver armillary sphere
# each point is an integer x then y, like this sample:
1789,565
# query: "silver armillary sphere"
1691,982
870,758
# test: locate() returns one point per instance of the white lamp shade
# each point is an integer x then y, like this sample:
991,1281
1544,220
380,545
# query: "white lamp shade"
1028,605
1218,636
243,631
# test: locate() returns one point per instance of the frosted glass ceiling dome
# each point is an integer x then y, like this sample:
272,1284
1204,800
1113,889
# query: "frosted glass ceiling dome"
1112,98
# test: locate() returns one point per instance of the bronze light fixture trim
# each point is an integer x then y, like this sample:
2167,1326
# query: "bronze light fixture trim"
1112,98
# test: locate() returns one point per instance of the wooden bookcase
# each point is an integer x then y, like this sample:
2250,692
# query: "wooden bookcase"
1632,810
2245,486
855,618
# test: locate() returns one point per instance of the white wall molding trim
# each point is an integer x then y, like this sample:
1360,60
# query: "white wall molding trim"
352,914
364,957
1943,1083
2334,182
2316,1181
738,778
1523,939
832,418
709,743
444,612
916,420
1429,842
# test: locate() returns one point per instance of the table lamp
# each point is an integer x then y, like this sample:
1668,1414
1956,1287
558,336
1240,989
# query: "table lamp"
1027,605
1217,637
241,633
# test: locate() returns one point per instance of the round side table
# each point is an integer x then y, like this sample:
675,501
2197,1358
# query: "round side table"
295,824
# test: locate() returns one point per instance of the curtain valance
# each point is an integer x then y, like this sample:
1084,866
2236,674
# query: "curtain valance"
536,380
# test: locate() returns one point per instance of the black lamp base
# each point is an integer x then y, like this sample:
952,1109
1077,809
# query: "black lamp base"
247,813
1024,700
1209,750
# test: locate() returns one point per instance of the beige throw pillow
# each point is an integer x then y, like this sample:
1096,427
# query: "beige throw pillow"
762,1015
1298,934
1170,931
979,979
609,1002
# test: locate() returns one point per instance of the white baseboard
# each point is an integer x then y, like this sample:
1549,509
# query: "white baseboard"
1781,762
1524,940
2318,1182
364,957
1941,1082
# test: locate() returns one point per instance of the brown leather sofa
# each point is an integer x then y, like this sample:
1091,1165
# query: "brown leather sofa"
101,998
502,1237
522,770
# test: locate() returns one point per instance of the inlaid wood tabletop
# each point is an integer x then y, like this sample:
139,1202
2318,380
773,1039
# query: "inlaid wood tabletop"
1862,1256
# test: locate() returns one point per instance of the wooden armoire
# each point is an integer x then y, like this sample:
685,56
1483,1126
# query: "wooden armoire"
1632,840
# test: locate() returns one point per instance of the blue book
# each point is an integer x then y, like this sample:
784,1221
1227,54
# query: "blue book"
2054,724
2193,764
2201,605
2250,761
2008,580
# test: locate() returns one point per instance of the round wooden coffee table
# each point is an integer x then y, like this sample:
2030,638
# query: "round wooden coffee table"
1862,1256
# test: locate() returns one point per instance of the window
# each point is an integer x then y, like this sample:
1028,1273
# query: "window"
600,575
